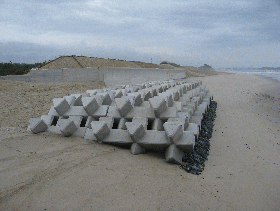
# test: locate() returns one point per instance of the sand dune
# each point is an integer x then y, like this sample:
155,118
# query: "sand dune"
84,61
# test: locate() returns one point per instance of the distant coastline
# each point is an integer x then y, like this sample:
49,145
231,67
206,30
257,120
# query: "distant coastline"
248,69
270,72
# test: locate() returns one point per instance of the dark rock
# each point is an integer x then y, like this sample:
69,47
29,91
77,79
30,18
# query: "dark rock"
194,162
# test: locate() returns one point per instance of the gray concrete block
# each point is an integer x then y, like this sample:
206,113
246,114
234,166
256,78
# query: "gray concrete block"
136,130
114,112
76,111
194,128
67,127
178,106
52,112
154,140
123,90
137,149
141,112
89,135
80,132
145,104
185,114
158,105
161,123
145,94
180,120
168,98
202,108
118,138
141,120
100,129
37,125
184,100
76,119
195,103
157,125
70,100
192,106
124,106
91,92
187,141
118,94
199,113
78,101
54,129
169,113
180,90
60,105
137,100
109,121
153,91
89,120
174,131
102,111
122,125
186,109
48,119
99,98
184,88
175,93
206,101
131,99
174,154
106,99
196,120
197,99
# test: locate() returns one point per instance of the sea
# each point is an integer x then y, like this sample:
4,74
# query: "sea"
275,74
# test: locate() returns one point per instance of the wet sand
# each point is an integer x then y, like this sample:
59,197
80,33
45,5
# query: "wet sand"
49,172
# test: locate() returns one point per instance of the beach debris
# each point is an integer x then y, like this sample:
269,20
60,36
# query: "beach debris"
163,116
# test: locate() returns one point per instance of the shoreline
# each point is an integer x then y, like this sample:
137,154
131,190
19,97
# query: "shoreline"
47,171
274,77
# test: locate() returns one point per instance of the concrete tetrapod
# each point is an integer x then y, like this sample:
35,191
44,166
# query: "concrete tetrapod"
163,116
37,125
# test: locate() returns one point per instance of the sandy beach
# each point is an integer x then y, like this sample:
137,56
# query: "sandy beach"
50,172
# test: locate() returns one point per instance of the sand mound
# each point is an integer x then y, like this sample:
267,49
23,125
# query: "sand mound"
194,71
84,61
62,62
166,66
146,65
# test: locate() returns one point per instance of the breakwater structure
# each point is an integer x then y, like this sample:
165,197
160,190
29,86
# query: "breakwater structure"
163,116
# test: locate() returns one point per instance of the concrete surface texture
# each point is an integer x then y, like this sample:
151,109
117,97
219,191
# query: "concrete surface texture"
110,75
163,116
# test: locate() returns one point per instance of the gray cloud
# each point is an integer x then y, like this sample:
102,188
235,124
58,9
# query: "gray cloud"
187,32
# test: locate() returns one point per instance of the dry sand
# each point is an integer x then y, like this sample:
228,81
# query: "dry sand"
84,61
50,172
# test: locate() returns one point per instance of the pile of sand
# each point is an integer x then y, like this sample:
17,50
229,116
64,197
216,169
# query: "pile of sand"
62,62
194,71
84,61
167,66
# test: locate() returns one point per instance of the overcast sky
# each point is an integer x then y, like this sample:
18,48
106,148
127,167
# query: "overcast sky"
221,33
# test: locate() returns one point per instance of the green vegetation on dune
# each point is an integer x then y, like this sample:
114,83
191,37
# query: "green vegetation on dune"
171,63
17,68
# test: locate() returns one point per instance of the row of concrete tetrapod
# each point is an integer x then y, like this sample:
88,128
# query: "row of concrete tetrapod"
163,116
